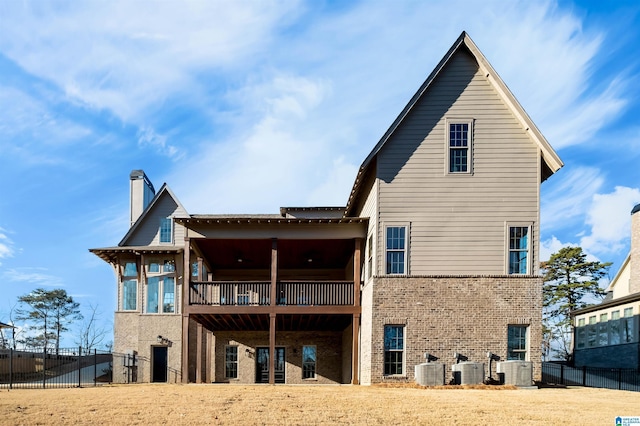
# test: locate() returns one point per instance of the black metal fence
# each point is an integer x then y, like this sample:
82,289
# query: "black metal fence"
54,369
609,378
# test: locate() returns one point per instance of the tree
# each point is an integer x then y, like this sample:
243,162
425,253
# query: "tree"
52,311
91,333
569,281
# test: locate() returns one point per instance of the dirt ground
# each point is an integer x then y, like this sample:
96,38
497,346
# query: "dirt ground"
311,405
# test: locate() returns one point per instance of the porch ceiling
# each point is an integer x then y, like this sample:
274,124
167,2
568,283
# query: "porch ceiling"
292,254
285,322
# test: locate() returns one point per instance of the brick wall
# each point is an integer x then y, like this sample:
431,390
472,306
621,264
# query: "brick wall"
443,315
329,349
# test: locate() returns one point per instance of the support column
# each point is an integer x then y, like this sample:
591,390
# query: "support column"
355,322
199,354
274,271
186,278
355,347
272,348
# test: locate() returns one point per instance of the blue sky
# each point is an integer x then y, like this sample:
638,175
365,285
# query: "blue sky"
243,107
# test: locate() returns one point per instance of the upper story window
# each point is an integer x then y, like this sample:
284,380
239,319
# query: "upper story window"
459,144
161,287
518,257
130,287
396,250
166,230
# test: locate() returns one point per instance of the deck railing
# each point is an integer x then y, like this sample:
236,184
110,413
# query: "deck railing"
289,293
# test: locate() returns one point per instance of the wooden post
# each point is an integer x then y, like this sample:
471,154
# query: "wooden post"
186,279
272,348
357,270
274,271
354,350
199,353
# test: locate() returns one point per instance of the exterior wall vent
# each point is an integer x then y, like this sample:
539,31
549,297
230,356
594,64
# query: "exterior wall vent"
468,373
430,374
518,373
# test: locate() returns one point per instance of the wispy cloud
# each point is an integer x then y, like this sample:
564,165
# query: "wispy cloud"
6,245
37,277
568,196
609,219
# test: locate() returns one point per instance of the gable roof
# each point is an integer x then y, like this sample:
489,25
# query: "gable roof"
163,190
549,157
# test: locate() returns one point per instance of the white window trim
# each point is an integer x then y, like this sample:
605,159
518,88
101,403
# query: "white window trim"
447,148
370,256
407,245
507,236
404,350
527,336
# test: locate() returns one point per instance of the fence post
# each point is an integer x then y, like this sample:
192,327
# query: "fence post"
10,368
95,367
584,375
79,366
44,367
619,378
562,374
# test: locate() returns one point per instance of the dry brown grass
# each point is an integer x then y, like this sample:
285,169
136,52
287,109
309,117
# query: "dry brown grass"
308,405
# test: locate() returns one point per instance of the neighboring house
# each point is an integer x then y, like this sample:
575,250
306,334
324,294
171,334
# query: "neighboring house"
606,335
435,251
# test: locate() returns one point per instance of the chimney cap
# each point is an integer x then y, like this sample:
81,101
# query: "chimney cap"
636,209
137,174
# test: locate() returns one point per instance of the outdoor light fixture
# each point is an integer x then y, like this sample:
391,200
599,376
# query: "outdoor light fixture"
164,341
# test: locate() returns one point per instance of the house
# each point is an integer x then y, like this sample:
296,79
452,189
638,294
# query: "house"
435,251
606,335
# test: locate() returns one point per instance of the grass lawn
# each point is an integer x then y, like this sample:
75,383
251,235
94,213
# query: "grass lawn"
309,405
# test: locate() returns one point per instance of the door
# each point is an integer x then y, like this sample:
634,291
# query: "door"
262,365
159,364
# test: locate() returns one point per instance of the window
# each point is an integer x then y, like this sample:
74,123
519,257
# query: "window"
627,326
396,249
603,317
166,234
581,322
161,287
231,362
518,249
603,333
153,284
129,294
308,362
615,315
517,342
581,336
459,146
130,287
614,329
370,257
168,296
592,319
393,349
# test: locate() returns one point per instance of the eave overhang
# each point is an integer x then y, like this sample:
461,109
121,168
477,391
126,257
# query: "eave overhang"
111,254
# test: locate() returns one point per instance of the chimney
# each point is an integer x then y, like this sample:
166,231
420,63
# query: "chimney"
141,192
634,257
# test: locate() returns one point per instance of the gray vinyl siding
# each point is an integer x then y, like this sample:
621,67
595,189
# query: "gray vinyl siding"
457,222
370,209
148,233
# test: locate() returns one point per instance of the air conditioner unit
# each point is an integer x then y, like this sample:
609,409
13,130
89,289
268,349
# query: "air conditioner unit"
518,373
430,374
468,373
